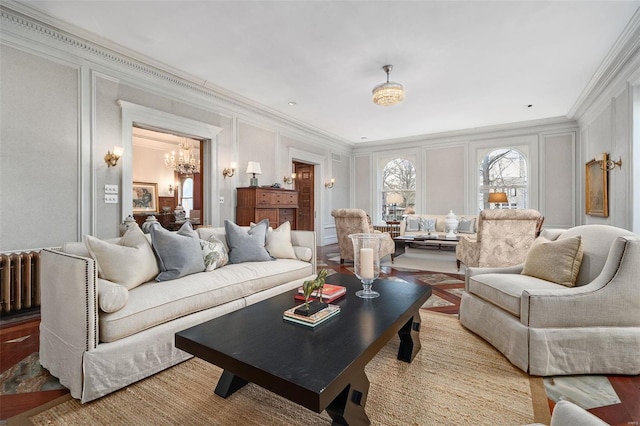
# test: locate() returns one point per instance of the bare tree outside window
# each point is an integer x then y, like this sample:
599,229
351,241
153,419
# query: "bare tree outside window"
504,170
398,188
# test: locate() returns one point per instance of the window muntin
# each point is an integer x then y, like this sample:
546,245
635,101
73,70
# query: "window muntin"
398,189
503,170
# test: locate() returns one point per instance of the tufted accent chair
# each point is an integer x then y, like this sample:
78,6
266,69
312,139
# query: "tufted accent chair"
503,239
355,221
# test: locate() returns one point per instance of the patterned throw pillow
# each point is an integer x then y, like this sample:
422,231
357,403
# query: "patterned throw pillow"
427,224
214,253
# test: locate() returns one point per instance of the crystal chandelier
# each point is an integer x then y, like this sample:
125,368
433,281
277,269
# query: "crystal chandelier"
185,163
389,93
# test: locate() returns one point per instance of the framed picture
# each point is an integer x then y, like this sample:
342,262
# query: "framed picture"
145,197
597,203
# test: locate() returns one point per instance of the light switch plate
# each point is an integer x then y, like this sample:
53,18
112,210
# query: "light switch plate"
221,200
111,189
111,199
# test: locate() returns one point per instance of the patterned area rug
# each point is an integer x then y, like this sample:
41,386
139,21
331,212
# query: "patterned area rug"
447,290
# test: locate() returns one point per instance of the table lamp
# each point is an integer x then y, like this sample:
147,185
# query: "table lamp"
254,168
497,197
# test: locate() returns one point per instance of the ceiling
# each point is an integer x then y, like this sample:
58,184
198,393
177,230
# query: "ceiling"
464,64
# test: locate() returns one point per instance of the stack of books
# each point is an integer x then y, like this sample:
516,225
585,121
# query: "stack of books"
314,319
330,292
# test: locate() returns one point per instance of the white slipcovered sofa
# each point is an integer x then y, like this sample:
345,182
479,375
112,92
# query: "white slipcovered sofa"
94,352
547,328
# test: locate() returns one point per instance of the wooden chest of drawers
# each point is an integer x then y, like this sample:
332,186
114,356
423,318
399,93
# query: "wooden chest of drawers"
276,204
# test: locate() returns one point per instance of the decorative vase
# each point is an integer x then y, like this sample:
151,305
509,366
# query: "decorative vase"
451,224
151,220
179,213
366,262
126,224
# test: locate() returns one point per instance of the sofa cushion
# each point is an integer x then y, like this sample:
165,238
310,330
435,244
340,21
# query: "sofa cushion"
214,253
279,242
206,232
129,262
505,290
247,245
154,303
178,253
556,261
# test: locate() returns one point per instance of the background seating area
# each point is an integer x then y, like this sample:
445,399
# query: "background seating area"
355,221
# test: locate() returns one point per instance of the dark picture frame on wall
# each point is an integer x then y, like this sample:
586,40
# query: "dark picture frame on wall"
145,197
597,202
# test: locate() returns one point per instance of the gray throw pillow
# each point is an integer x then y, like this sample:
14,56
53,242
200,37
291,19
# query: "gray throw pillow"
247,245
467,226
178,253
413,224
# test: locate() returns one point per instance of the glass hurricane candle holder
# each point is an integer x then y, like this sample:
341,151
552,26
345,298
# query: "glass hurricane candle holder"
366,261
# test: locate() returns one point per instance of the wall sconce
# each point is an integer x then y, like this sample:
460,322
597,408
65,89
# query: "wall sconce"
607,164
330,183
229,171
289,180
111,158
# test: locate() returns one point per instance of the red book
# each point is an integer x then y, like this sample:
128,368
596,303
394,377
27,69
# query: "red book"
330,292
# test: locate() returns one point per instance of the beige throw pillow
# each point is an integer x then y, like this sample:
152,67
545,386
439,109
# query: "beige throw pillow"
556,261
130,262
279,242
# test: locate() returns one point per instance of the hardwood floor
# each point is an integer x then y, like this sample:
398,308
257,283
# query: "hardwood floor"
19,338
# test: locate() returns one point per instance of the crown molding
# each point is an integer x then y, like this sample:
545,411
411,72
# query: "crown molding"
30,25
546,125
623,51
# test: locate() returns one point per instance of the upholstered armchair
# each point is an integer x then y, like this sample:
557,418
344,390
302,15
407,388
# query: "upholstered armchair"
547,326
355,221
503,239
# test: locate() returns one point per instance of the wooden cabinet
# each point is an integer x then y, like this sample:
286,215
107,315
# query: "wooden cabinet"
255,203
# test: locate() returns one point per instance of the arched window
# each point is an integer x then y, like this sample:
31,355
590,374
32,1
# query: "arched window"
504,170
187,195
398,189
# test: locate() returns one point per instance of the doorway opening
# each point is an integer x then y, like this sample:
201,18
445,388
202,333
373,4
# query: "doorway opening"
305,185
174,164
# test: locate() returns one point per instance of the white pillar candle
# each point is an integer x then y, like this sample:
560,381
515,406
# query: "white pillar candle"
366,263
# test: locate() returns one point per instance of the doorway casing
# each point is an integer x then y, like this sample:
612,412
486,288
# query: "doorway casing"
133,114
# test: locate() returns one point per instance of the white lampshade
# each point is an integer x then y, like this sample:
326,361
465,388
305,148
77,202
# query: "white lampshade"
395,199
254,167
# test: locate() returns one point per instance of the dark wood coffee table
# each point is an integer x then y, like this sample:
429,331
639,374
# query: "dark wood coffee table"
320,368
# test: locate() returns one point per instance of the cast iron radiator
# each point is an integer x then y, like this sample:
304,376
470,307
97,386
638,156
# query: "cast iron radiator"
19,281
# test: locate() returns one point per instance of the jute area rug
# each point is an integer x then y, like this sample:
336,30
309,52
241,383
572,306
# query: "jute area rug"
456,379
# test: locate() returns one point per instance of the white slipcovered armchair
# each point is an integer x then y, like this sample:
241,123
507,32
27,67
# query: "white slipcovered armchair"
550,329
355,221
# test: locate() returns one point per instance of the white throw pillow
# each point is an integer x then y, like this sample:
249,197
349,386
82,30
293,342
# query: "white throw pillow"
279,242
111,296
130,262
